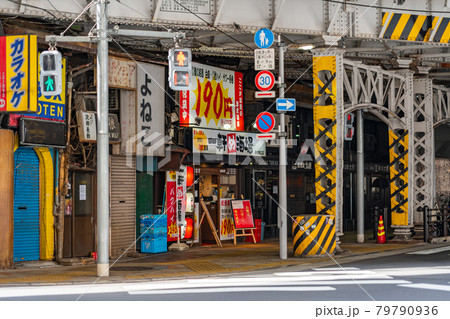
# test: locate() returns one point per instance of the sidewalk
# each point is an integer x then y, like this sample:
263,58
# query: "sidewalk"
198,261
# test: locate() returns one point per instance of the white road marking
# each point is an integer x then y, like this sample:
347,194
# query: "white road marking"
413,271
335,269
229,289
430,251
427,286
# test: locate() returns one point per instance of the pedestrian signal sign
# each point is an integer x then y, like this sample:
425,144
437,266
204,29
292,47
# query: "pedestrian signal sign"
180,65
51,73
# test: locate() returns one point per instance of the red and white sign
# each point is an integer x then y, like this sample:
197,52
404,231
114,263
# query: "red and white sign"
266,136
265,122
242,214
264,80
264,94
171,204
216,96
231,143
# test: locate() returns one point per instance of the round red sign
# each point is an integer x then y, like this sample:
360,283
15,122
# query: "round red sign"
264,80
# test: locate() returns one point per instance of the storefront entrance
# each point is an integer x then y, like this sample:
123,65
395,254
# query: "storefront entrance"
79,221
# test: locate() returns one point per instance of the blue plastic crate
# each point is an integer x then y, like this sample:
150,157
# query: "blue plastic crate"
153,230
153,245
153,220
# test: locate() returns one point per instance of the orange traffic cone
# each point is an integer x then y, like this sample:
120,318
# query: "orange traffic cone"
381,238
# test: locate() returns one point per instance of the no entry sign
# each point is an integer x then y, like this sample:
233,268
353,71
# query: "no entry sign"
264,80
265,122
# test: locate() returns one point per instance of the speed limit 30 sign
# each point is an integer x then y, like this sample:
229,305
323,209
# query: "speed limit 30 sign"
264,80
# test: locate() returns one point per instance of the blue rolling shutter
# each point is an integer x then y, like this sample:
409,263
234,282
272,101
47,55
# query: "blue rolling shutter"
26,205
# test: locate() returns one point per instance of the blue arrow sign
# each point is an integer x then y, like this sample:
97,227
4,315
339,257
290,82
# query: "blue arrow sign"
285,104
264,38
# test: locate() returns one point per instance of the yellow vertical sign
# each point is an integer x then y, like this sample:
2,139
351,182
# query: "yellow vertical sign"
20,66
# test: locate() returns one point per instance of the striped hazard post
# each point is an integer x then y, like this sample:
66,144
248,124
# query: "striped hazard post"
314,235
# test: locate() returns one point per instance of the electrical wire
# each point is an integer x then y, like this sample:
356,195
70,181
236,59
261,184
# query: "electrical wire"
212,26
382,7
82,12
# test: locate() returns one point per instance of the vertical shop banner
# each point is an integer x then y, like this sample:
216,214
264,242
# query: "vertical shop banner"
150,110
181,196
216,96
171,204
226,219
18,73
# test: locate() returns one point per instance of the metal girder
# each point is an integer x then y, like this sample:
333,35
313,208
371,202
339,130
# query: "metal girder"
388,95
441,105
423,146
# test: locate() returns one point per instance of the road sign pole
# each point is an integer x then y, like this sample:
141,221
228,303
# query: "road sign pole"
102,142
282,165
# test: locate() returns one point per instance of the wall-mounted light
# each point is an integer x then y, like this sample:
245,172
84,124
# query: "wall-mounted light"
227,126
306,47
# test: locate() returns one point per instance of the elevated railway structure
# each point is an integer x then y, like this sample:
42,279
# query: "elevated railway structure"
387,57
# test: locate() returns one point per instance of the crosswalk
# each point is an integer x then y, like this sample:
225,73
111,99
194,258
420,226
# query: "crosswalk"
321,279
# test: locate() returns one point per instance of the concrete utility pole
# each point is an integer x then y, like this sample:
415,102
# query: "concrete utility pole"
282,165
102,141
360,177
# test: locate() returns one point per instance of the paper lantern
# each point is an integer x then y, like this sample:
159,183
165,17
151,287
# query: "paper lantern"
189,176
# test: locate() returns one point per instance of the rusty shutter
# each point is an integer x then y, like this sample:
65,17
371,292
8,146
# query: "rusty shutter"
123,205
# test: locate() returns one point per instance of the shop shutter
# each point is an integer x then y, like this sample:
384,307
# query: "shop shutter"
26,205
123,205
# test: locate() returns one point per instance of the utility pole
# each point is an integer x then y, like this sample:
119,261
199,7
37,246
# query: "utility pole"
102,141
102,118
360,177
282,165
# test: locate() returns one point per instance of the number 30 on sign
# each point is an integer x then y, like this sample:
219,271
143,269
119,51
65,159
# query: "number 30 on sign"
264,80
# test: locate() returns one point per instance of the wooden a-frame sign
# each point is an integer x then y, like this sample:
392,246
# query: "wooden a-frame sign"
243,219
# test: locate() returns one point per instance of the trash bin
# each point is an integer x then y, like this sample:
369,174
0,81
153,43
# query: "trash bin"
314,235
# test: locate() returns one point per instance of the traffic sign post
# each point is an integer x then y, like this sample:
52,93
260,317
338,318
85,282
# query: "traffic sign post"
285,104
265,122
264,59
264,94
264,38
266,136
264,80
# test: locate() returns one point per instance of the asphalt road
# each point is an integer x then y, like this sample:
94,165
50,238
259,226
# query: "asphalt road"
422,275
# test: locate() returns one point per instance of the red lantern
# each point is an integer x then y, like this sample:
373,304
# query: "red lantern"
189,176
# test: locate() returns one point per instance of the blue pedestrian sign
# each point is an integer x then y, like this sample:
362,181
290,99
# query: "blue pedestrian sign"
264,38
285,104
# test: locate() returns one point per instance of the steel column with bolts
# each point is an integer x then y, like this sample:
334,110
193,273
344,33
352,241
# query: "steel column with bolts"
360,177
282,165
102,142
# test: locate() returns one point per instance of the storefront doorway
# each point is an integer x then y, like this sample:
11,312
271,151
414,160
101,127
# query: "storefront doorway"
79,221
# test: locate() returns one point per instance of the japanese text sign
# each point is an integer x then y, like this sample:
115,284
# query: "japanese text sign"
150,109
242,214
170,206
18,73
223,142
216,96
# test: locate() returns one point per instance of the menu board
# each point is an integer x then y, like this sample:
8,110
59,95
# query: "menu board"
242,213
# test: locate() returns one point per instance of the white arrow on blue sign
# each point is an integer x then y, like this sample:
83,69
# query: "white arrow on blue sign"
285,104
264,38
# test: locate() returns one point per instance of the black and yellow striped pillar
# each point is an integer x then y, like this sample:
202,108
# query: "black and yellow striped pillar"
314,235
